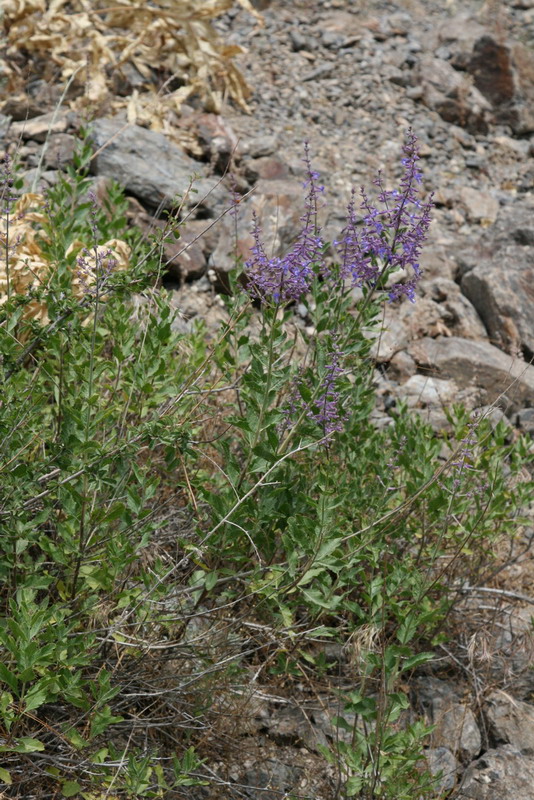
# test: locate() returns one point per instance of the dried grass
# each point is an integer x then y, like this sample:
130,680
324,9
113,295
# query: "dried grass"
169,46
23,260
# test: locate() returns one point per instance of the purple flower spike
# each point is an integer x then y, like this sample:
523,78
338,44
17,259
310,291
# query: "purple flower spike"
388,239
324,410
285,278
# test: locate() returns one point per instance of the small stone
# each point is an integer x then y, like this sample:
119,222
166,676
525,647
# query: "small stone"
298,40
21,107
262,146
402,366
426,391
60,150
268,167
38,128
414,92
332,40
480,206
441,760
525,420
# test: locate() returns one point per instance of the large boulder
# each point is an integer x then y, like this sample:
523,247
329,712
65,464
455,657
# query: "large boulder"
510,721
501,774
452,94
152,168
502,71
504,74
475,363
497,276
502,290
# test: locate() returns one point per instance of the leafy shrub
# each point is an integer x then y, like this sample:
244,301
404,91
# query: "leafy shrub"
161,488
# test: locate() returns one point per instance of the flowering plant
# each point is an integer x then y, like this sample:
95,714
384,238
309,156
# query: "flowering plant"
386,241
184,515
374,249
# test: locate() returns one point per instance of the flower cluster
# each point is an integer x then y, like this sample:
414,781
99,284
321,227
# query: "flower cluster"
388,239
378,243
324,409
281,279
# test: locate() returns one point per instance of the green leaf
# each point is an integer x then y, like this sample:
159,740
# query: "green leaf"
70,788
353,786
8,677
102,720
416,660
75,739
36,697
5,777
21,546
25,745
211,580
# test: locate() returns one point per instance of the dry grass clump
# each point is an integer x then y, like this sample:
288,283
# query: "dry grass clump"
24,261
167,51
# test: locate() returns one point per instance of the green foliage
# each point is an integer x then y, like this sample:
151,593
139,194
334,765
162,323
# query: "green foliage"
156,482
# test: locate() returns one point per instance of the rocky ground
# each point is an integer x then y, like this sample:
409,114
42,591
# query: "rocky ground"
349,77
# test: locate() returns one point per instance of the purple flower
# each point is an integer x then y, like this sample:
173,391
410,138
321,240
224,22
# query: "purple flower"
285,278
324,409
389,238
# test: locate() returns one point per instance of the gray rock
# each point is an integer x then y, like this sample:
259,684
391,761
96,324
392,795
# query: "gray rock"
299,41
514,651
289,726
501,70
185,259
511,722
37,180
474,363
455,725
215,137
426,391
262,146
59,150
432,693
500,774
502,290
22,107
451,94
267,168
392,337
460,32
457,729
149,166
503,74
480,206
525,420
401,366
270,781
5,122
457,313
38,128
442,762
